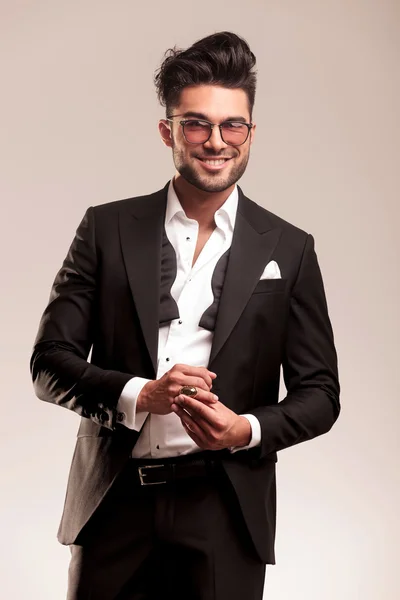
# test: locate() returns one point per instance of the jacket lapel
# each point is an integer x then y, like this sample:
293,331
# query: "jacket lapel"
254,240
141,228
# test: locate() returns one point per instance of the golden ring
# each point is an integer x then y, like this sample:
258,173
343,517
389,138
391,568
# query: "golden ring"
188,390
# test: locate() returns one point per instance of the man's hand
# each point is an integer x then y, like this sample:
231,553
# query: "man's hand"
213,426
158,396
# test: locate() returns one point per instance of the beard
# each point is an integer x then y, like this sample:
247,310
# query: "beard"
208,182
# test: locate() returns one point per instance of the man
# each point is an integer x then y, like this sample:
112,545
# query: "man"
191,299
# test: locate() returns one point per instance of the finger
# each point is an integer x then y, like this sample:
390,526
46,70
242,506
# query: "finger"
197,382
205,397
197,409
183,414
197,427
203,444
181,379
201,372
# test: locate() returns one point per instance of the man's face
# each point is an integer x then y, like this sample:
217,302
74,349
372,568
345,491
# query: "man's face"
215,104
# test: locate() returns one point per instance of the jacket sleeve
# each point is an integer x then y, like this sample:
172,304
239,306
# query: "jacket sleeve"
310,372
60,371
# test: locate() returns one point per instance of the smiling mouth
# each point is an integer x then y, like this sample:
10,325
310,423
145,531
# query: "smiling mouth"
214,162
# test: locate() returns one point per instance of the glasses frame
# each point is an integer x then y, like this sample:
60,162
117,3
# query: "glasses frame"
212,125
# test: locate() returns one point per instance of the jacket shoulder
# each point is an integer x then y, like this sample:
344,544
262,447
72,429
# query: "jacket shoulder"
134,203
262,217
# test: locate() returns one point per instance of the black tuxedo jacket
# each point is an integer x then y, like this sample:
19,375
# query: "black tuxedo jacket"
106,297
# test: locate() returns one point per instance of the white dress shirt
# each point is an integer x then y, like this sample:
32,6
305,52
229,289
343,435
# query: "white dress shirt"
182,340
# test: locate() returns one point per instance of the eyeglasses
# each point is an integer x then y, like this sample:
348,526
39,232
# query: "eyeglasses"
198,131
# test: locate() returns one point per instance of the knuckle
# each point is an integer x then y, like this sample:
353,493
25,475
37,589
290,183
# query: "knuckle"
219,424
201,383
172,377
176,377
213,436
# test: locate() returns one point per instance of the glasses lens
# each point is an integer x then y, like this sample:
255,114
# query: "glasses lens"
196,132
234,133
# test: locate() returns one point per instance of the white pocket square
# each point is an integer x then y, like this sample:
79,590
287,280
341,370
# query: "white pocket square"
271,271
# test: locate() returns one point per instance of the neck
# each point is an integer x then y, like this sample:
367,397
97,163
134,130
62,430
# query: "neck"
198,204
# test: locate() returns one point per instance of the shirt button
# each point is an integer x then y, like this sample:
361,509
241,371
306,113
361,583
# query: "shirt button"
167,359
188,238
158,447
180,322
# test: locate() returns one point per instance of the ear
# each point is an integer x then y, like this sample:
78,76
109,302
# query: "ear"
252,133
165,132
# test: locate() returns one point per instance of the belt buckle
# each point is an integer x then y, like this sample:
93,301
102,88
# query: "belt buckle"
142,475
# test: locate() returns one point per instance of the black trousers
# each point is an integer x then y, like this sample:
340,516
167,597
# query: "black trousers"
185,540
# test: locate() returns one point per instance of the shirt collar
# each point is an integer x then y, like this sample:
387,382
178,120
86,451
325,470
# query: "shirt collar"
228,209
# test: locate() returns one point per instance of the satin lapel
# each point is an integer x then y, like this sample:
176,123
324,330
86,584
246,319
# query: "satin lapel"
253,242
141,230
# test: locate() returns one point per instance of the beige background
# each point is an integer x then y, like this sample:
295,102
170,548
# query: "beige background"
79,119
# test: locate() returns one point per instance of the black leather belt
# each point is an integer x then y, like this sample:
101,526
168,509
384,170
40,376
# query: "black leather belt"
151,472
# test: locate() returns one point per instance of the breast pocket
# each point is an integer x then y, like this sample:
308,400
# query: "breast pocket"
270,286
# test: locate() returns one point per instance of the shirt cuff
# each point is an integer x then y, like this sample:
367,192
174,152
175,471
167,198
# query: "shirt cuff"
127,404
255,434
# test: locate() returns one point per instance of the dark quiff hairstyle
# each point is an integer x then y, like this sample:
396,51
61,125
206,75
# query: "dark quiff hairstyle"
222,58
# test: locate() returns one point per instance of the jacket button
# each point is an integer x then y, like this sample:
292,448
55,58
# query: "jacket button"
104,417
120,416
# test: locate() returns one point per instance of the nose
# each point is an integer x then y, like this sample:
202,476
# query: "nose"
215,142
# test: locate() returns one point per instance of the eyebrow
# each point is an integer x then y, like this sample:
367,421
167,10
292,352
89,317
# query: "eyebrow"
199,115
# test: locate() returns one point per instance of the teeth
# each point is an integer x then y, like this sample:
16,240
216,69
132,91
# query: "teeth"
215,162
